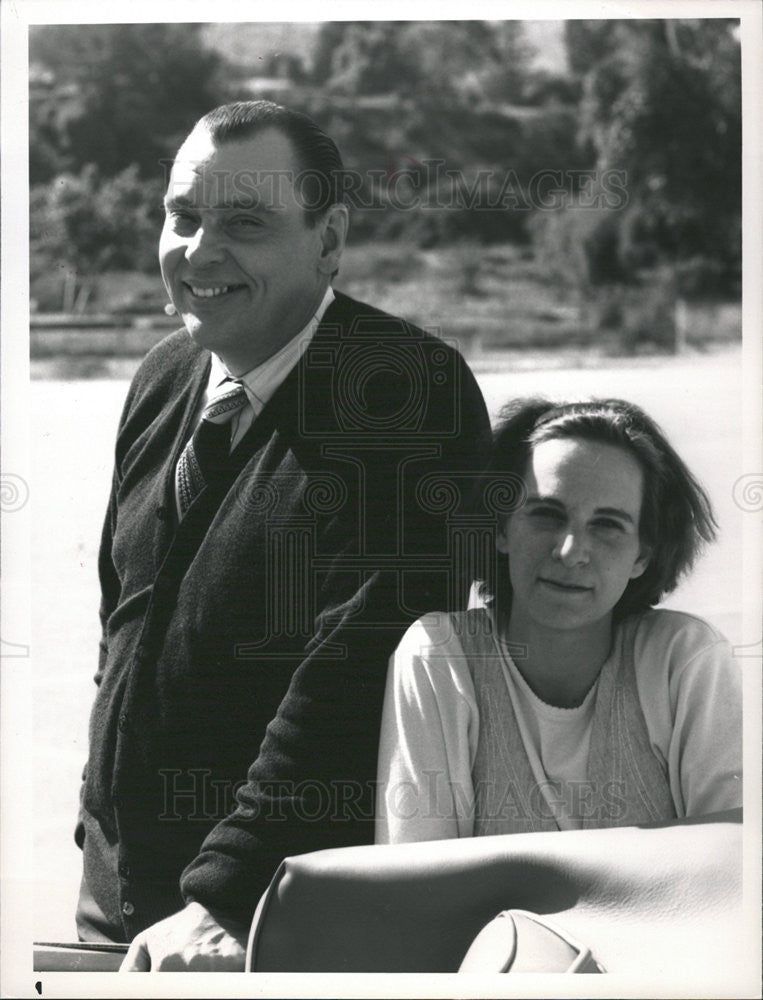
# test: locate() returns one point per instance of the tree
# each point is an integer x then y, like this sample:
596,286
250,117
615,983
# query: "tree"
587,44
116,94
365,57
662,103
82,224
434,62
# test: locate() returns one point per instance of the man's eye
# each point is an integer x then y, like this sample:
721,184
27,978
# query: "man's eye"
245,222
181,220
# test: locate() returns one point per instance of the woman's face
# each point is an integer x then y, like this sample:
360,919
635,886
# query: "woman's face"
574,545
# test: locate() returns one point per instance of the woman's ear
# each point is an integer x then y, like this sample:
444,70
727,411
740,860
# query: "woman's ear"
334,227
641,562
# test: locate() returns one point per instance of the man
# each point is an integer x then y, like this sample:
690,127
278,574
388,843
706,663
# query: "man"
274,526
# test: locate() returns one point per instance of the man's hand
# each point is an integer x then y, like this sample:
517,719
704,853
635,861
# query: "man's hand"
192,940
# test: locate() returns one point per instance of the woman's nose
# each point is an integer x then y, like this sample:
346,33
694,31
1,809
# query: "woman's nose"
572,548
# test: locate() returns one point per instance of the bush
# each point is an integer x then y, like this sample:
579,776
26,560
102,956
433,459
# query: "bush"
702,278
579,246
642,318
82,224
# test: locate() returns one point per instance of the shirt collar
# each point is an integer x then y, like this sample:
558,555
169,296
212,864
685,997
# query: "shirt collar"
261,382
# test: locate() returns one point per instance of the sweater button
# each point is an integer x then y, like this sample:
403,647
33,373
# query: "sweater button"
127,908
123,869
122,724
163,513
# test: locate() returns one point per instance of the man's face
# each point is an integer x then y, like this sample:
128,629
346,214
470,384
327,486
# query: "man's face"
238,259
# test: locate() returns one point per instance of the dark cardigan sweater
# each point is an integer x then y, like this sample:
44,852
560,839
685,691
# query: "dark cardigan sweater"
245,650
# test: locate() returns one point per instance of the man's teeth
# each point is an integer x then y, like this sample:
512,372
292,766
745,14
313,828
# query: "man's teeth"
208,293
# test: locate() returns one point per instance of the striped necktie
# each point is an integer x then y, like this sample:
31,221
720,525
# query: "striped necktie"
209,447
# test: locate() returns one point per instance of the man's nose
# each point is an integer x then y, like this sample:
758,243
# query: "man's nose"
572,547
204,248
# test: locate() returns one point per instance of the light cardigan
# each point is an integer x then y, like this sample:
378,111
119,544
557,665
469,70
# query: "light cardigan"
689,688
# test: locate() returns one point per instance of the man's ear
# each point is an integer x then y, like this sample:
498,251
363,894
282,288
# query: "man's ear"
333,228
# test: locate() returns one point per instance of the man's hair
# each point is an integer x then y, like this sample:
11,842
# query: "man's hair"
319,182
676,517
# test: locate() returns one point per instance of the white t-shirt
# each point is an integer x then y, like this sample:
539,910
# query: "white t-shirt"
688,685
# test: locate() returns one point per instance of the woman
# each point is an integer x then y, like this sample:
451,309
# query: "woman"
567,701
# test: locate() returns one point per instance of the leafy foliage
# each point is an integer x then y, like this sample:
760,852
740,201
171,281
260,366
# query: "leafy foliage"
661,102
83,224
116,94
109,105
657,101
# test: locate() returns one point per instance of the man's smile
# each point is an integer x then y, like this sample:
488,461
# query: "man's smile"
211,291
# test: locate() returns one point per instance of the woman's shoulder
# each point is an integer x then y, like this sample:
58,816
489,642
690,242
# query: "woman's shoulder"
425,632
664,623
431,651
440,629
681,662
663,637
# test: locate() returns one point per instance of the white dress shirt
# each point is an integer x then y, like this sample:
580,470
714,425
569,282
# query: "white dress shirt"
261,382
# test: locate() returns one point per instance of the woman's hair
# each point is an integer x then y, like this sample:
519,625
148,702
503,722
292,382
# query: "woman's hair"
676,514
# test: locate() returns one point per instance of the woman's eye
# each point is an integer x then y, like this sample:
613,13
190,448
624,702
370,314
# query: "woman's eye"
607,524
546,514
